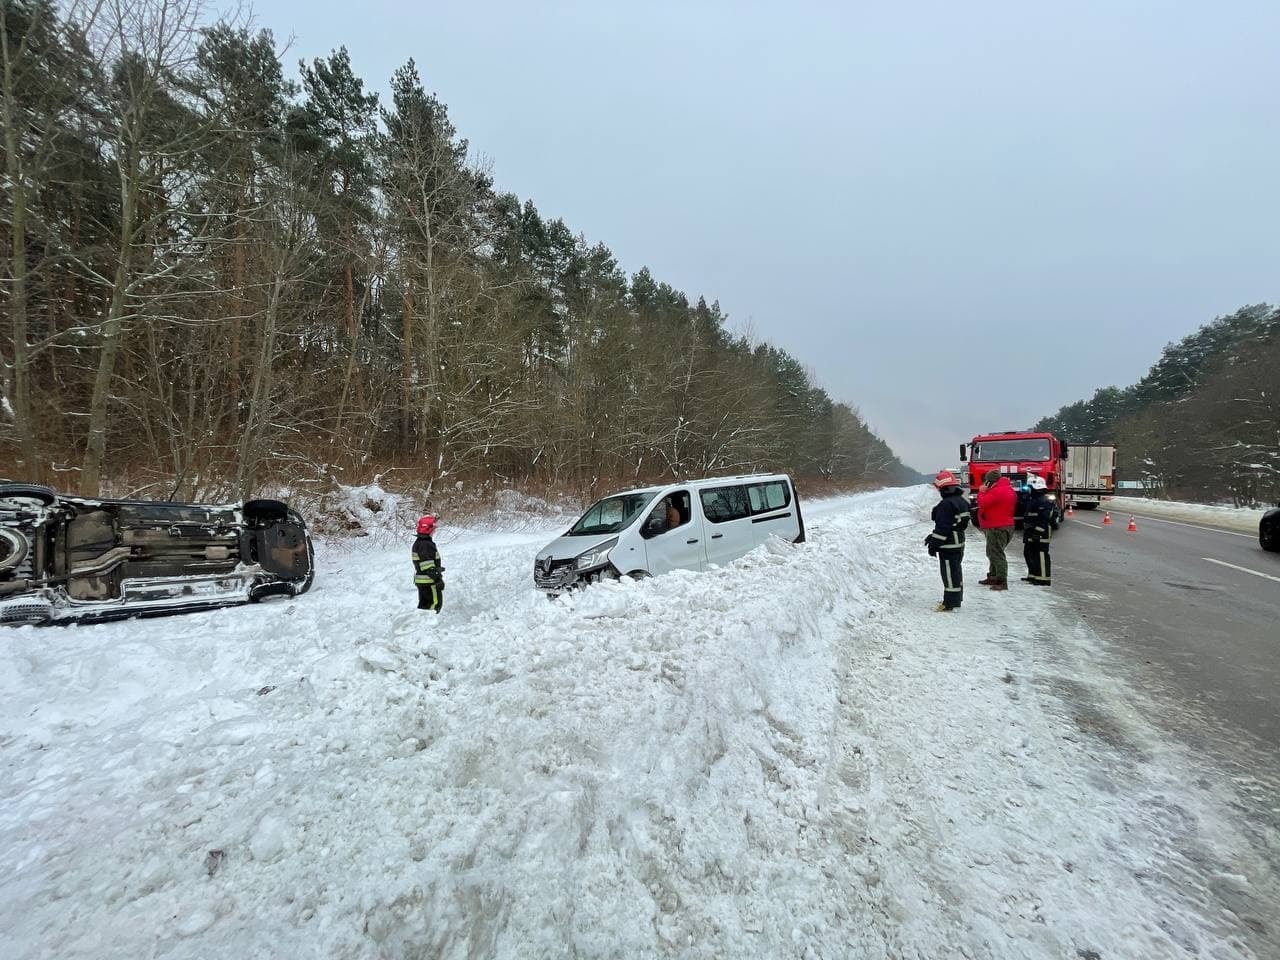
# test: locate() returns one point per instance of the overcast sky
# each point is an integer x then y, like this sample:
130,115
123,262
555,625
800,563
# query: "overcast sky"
959,215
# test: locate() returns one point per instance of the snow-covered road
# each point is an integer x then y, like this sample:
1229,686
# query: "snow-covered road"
790,757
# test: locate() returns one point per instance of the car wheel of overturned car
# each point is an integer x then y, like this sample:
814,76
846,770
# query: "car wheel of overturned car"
264,591
14,548
266,510
1269,538
26,610
28,491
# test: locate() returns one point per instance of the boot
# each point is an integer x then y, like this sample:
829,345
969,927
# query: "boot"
999,585
1027,580
988,581
943,608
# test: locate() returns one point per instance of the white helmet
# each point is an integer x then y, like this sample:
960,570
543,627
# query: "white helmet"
1036,482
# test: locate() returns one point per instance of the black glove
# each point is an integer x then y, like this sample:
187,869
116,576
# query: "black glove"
933,549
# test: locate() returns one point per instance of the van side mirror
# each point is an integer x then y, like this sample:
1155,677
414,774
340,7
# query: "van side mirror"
655,525
963,458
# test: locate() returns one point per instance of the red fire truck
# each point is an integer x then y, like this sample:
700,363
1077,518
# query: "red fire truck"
1017,454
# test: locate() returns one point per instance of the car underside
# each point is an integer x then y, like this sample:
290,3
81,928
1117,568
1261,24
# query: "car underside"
71,558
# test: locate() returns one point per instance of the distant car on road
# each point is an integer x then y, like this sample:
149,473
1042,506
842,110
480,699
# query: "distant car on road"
1269,529
72,558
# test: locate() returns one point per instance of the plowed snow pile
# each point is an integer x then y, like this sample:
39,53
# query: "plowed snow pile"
790,757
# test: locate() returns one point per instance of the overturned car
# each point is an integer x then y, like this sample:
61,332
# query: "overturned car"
66,559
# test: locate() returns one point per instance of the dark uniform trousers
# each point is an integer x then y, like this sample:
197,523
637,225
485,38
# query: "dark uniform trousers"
430,596
1036,553
1037,530
950,563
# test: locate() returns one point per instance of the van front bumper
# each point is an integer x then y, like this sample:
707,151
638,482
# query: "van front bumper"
561,576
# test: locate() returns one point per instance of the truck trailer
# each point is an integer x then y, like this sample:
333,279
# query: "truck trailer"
1089,474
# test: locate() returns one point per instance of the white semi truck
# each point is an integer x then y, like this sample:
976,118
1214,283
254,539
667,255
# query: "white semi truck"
1089,474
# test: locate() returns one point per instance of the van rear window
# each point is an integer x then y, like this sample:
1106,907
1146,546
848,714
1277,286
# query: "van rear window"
768,496
722,504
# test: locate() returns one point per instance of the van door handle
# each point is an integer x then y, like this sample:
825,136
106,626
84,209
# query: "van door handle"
691,541
716,536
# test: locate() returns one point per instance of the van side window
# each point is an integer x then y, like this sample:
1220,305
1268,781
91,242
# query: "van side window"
725,503
768,496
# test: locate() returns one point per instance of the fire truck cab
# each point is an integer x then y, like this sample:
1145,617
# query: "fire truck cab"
1017,455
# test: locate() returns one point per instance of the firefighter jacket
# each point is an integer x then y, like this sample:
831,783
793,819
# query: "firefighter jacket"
950,517
1037,519
427,568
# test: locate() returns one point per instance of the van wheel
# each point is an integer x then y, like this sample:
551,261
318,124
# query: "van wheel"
639,574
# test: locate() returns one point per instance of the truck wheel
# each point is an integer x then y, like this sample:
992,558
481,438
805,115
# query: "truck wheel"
1086,506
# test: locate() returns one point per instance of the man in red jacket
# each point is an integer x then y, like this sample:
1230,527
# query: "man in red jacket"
996,501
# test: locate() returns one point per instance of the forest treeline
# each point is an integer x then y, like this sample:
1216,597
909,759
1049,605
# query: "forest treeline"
218,278
1204,423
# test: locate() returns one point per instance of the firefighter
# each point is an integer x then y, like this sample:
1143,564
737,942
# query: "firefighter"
946,542
1036,532
427,568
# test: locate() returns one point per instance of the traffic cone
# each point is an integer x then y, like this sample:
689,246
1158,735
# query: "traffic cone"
1106,519
1071,510
1133,526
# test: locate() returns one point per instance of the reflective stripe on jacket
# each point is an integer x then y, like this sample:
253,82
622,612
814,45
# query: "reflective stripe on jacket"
950,517
1037,522
426,561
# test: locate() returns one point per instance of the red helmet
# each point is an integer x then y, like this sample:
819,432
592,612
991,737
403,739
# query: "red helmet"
426,525
945,478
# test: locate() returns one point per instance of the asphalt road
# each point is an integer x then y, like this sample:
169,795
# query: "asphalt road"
1194,612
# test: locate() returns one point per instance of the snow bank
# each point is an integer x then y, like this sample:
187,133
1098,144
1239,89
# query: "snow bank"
789,757
1217,515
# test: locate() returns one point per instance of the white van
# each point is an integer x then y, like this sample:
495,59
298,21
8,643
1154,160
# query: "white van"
683,526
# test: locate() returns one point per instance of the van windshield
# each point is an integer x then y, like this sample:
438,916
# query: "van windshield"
997,451
611,514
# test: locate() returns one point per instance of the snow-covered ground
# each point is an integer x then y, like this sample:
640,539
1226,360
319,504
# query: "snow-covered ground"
1218,515
790,757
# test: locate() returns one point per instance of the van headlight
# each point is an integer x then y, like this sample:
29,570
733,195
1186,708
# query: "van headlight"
596,556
